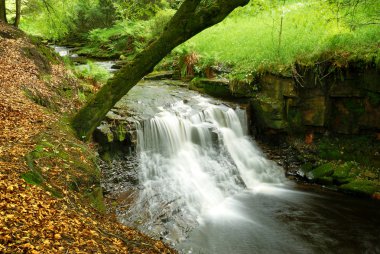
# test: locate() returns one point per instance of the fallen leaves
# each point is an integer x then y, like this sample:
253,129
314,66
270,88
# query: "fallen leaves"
32,220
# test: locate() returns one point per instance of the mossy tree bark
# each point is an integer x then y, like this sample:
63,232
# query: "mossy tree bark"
191,18
3,11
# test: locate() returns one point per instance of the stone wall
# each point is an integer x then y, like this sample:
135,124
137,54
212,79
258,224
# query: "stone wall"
342,100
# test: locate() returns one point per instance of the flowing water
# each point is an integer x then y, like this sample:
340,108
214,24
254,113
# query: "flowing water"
204,186
192,156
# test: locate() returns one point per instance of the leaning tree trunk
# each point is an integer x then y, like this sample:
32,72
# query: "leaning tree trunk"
190,19
18,13
3,11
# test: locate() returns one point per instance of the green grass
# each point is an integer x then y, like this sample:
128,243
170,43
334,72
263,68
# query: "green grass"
92,72
250,40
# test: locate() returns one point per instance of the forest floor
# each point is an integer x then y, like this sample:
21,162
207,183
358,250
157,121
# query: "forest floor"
48,184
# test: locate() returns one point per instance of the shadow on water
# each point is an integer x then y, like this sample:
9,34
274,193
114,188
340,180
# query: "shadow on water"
287,220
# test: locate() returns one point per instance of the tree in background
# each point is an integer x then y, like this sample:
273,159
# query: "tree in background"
3,11
18,13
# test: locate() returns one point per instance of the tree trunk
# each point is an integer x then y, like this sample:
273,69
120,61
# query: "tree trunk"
18,13
3,11
190,19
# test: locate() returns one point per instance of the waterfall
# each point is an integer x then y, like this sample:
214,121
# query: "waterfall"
192,157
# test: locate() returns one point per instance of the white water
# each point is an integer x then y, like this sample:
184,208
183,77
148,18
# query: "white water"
191,161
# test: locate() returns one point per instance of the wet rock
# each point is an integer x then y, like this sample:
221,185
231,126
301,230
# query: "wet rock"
358,186
314,110
268,113
120,174
159,75
214,87
103,134
240,88
175,83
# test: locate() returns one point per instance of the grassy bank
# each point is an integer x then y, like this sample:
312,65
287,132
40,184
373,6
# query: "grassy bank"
272,37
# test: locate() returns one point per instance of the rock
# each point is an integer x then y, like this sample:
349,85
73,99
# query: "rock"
371,117
277,87
370,80
346,100
159,75
346,114
359,186
214,87
240,89
341,89
103,134
314,111
175,83
322,172
268,114
111,115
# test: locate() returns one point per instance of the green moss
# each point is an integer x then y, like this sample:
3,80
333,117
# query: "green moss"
366,187
307,167
328,152
33,177
343,171
294,118
95,196
268,112
325,170
121,132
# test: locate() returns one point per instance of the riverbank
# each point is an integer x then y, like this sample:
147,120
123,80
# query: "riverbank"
50,198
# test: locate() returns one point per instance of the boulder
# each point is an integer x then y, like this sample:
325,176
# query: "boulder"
159,75
214,87
268,113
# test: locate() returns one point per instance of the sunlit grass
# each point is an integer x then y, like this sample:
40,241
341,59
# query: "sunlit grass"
309,29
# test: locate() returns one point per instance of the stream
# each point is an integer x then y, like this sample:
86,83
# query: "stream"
204,186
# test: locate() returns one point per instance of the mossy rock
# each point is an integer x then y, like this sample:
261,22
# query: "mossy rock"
103,134
268,113
240,88
343,171
214,87
294,119
359,186
159,75
305,169
325,170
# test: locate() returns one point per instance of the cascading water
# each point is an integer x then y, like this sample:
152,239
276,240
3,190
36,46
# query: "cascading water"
192,157
198,181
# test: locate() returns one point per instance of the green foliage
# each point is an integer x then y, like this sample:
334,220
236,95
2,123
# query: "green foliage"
56,20
125,37
268,35
32,177
91,71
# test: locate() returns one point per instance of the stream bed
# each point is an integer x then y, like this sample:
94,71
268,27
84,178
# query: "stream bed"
198,180
205,186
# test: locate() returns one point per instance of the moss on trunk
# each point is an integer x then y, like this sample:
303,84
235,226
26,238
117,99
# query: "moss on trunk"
189,20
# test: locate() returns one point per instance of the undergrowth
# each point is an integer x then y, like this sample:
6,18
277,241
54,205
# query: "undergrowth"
265,37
